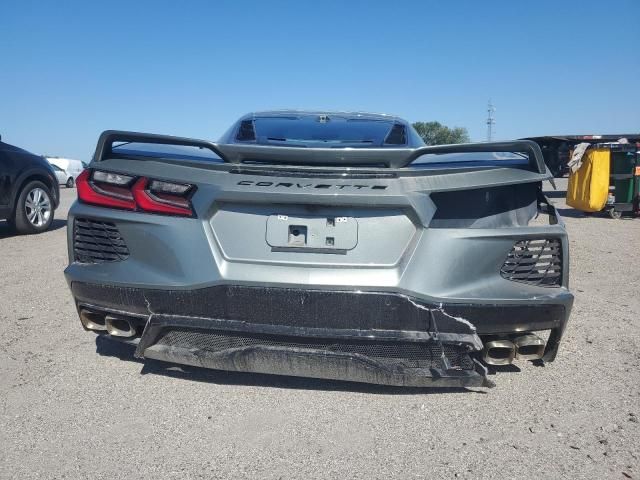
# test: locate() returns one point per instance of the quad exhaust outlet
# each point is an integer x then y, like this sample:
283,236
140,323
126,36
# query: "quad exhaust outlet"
93,320
503,351
529,347
499,352
103,322
119,327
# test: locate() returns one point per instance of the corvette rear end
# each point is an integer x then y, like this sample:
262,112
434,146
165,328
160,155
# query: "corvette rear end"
393,264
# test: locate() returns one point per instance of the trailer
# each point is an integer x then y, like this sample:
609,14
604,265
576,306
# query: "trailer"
606,178
556,148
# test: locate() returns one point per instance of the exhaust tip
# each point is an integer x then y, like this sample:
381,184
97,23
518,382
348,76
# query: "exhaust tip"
119,327
93,320
529,347
499,352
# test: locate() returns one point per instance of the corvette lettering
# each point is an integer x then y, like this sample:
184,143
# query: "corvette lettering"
310,185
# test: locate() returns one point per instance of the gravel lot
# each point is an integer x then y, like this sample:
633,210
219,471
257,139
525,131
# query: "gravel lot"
72,407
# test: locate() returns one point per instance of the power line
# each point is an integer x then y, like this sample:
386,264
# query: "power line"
491,121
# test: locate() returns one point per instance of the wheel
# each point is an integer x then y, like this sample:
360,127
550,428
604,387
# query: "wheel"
70,182
615,214
34,208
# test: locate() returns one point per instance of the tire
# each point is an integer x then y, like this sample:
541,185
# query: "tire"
34,209
71,182
615,214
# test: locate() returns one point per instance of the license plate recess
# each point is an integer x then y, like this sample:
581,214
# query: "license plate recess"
312,233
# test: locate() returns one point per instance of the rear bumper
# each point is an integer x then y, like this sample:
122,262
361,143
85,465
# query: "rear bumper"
301,311
298,331
432,361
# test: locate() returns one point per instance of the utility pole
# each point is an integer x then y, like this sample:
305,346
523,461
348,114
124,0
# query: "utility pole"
490,120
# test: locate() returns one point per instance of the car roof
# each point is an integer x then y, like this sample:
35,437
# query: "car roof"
314,113
7,147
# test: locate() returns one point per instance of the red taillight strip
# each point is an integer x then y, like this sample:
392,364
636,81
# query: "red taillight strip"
87,194
147,203
141,198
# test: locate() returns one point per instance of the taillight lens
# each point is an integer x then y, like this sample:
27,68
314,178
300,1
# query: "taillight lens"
162,197
115,190
104,193
112,178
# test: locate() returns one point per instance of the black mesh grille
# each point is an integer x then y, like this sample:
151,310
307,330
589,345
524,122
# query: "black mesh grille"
538,262
97,242
400,354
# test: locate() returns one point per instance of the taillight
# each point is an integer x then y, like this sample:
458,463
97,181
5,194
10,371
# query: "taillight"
104,191
162,197
115,190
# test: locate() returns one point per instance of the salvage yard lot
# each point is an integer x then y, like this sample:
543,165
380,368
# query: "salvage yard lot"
74,407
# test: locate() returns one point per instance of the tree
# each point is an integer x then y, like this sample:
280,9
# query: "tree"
434,133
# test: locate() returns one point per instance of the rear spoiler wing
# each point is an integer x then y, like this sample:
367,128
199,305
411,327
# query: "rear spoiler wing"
365,157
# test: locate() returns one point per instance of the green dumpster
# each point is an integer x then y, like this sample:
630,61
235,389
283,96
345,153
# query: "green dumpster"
623,164
623,179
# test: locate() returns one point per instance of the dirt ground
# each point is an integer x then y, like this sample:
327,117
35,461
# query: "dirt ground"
74,407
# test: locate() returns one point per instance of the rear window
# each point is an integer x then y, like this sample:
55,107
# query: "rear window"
322,131
159,150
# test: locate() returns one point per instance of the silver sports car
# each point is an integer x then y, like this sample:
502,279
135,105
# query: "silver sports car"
321,244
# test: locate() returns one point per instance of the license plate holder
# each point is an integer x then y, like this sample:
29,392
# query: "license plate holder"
312,233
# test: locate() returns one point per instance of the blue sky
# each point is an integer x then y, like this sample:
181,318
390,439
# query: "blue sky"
70,70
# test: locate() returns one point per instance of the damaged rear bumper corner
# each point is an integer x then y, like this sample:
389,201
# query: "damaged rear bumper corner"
373,337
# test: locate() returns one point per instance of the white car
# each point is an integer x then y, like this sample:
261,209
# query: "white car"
70,169
63,177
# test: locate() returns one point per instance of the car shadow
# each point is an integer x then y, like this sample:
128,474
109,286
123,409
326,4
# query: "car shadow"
511,368
7,231
125,352
555,193
572,213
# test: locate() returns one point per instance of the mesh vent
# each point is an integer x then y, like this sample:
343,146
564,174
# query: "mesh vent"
537,262
97,242
406,354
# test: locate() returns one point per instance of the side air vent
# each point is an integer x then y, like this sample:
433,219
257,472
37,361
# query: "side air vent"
246,132
97,242
397,135
537,262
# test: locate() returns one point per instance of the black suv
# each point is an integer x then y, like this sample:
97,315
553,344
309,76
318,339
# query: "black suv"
29,191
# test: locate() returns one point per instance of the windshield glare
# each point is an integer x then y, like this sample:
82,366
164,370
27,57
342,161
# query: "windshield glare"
321,129
499,159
